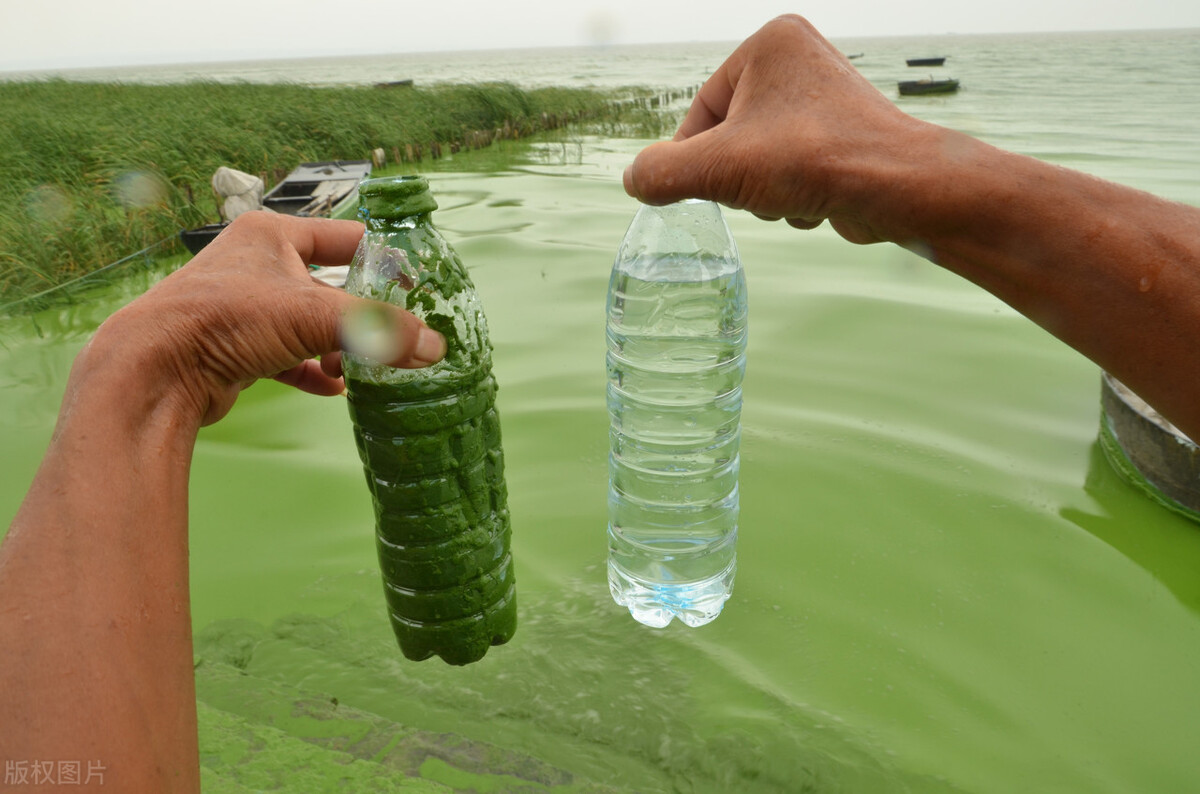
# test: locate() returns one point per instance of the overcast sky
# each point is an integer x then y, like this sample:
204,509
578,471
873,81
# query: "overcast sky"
48,34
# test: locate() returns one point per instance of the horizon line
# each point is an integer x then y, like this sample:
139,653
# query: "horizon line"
256,59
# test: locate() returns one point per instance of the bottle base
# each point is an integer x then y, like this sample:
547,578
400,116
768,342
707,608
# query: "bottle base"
656,604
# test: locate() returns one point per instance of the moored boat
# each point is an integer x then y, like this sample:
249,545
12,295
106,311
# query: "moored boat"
936,61
314,190
196,239
930,86
317,189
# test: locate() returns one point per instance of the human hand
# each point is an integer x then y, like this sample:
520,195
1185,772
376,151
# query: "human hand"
785,128
246,308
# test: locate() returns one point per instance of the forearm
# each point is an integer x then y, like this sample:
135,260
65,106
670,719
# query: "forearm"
1112,271
96,659
95,634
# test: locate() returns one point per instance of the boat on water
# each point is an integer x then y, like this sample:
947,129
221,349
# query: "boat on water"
1147,450
196,239
929,86
937,61
312,190
317,190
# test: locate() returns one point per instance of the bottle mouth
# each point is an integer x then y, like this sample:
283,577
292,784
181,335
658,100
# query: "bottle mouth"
395,196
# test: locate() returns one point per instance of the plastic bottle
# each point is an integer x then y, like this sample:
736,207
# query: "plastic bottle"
676,357
429,438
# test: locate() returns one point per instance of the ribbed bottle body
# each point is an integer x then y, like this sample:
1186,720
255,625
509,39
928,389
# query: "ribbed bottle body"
676,332
429,440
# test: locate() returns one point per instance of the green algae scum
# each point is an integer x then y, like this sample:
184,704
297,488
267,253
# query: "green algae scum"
430,440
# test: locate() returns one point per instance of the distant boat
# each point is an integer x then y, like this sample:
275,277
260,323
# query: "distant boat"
855,55
315,190
926,61
930,86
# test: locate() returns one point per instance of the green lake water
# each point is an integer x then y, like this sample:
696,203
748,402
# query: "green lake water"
942,586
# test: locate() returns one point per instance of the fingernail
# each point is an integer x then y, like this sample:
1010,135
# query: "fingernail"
431,347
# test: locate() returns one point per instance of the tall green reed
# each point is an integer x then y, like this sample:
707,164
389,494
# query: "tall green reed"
91,172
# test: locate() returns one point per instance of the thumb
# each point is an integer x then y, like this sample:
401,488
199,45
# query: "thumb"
669,171
372,330
389,335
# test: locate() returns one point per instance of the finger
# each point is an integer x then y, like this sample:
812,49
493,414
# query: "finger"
711,105
323,319
322,241
669,171
388,335
309,376
801,223
331,364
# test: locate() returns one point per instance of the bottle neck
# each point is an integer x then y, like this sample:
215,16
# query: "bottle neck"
395,223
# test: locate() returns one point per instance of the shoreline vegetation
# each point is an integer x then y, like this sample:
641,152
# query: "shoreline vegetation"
94,174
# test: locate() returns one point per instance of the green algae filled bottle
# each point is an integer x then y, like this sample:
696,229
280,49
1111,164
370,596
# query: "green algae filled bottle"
429,439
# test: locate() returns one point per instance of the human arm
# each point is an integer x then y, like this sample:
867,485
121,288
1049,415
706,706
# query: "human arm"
787,128
95,632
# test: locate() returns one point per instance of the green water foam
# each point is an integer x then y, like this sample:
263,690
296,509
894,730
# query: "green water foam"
242,755
262,734
333,698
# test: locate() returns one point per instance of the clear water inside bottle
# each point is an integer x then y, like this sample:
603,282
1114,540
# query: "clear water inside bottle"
676,357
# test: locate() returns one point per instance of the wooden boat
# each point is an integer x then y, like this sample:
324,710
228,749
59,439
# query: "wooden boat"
317,190
938,61
196,239
314,190
930,86
1148,451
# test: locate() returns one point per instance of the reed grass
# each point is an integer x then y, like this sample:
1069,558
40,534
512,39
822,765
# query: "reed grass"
91,172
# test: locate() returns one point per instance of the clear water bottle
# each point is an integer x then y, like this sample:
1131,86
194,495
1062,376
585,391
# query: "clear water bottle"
676,357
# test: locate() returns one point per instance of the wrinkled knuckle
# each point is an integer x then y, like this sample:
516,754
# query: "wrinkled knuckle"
314,309
726,172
